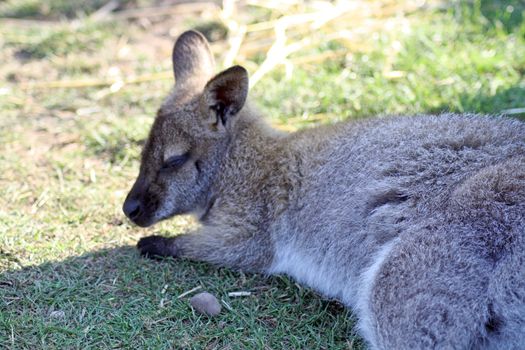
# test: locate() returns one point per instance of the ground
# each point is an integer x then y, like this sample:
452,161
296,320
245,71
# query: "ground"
79,86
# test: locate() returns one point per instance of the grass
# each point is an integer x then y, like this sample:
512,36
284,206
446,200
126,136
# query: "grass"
69,275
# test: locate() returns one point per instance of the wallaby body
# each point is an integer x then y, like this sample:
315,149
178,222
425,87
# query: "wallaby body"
417,223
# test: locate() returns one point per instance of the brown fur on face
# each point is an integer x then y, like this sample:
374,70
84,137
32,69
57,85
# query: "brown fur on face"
188,137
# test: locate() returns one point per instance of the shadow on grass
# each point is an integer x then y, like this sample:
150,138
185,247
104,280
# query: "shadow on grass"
504,14
113,298
508,12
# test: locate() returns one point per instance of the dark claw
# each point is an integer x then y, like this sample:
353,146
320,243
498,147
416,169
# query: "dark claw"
155,247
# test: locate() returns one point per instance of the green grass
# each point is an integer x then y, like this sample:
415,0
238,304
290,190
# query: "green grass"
55,9
112,299
69,276
454,60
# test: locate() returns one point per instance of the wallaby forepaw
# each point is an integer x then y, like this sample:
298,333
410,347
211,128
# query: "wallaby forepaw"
155,247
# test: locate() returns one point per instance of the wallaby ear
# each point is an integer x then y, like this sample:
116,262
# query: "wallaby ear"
192,58
226,93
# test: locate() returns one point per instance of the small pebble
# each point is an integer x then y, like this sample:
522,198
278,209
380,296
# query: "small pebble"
206,303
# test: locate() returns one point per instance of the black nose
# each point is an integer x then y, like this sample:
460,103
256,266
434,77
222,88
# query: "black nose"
132,208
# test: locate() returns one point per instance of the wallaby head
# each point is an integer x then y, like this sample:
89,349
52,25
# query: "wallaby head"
189,136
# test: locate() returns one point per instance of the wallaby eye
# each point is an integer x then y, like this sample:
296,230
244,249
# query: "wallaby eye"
175,162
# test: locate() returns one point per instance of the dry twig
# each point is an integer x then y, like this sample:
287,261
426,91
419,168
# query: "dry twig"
94,82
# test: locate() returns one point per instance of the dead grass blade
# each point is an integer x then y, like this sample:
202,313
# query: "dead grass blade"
64,84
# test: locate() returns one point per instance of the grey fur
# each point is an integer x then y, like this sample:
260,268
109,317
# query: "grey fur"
417,223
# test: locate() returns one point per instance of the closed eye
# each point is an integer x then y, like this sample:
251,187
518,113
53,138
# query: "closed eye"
175,162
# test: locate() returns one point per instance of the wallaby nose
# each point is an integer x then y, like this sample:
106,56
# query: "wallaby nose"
132,208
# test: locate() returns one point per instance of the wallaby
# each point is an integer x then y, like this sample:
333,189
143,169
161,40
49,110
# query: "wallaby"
416,223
